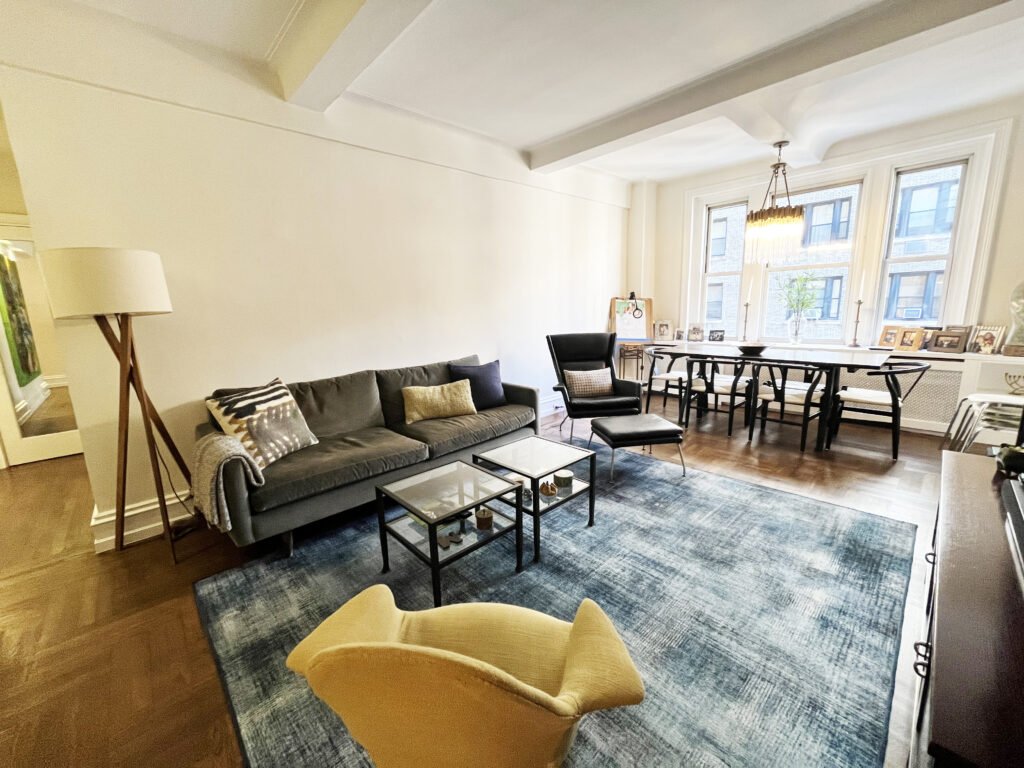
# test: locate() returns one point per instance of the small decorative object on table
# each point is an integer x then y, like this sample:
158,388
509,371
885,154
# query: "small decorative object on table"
563,480
484,519
752,348
716,335
548,489
1015,381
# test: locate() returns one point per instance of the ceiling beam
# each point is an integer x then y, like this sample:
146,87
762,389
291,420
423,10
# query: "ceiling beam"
330,42
834,46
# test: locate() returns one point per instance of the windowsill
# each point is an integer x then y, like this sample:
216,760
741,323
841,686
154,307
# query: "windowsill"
923,354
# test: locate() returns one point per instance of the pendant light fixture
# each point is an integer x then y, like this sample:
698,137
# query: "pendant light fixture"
775,232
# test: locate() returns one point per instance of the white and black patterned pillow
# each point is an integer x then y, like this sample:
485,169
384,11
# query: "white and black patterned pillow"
267,421
596,383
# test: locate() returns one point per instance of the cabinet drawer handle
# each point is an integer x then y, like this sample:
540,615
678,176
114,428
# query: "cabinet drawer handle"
922,668
930,558
923,650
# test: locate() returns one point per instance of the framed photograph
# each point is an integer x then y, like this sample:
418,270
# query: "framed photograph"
929,332
889,335
695,333
680,334
909,339
662,330
716,335
987,339
950,342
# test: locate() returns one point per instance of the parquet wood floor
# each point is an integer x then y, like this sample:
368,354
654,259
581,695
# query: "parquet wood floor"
103,661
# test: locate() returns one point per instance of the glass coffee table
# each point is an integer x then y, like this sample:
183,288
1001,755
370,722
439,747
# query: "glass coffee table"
447,495
537,459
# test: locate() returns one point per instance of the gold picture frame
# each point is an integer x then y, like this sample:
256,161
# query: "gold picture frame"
889,335
909,339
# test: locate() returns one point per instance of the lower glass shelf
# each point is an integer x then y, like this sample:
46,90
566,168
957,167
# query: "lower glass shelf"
411,531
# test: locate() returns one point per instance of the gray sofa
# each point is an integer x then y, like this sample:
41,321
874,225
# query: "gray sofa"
359,420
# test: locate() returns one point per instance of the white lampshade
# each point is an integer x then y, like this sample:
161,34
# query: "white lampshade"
83,282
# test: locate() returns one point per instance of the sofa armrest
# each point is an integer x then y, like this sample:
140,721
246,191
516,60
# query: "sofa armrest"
236,493
627,387
517,394
203,429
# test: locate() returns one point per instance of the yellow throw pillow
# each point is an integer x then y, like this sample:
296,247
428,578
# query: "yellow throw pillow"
455,399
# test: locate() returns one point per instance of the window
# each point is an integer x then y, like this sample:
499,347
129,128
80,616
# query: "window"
719,235
723,266
827,250
827,222
920,243
715,293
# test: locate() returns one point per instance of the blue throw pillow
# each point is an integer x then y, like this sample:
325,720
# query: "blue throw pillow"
484,383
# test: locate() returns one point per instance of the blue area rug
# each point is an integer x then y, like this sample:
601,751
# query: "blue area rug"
765,625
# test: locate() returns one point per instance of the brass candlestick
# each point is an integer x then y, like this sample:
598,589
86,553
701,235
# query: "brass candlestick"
746,313
856,323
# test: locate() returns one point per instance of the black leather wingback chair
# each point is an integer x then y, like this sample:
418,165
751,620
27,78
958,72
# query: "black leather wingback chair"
588,352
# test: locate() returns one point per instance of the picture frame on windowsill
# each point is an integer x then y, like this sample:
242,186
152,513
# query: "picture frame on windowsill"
987,339
909,339
949,342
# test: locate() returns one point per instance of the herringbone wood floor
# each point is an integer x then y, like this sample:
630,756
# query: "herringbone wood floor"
103,660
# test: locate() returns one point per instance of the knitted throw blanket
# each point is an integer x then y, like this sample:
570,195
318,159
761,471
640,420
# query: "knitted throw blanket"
209,458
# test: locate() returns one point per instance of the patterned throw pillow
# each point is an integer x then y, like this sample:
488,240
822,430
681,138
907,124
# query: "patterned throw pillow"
589,383
455,399
267,421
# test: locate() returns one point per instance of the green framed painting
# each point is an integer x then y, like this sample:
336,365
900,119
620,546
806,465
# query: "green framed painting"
17,327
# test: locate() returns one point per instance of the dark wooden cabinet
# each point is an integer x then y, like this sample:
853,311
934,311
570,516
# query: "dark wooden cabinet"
971,657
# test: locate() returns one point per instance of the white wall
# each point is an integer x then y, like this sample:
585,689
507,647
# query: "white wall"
295,245
1006,264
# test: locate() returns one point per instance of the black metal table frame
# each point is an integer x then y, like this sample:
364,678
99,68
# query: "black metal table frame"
434,560
830,369
535,509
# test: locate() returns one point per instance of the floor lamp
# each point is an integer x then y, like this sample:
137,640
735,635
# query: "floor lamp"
114,282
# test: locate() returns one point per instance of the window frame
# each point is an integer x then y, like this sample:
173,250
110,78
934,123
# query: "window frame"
705,274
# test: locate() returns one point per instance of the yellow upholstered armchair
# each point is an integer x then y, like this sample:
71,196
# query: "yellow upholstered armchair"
475,685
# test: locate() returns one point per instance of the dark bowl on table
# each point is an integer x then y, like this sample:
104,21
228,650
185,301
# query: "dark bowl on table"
752,349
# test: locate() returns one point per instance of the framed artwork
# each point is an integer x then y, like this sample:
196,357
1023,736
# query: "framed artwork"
716,335
951,342
631,318
662,330
987,339
680,334
695,333
909,339
14,318
889,335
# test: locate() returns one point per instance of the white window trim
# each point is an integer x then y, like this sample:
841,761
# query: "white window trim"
985,147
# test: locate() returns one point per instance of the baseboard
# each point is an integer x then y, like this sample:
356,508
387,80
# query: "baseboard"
550,404
141,522
56,380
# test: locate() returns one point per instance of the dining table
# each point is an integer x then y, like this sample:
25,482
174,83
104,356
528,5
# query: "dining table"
830,361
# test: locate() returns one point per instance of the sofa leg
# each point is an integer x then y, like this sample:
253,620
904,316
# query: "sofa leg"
288,543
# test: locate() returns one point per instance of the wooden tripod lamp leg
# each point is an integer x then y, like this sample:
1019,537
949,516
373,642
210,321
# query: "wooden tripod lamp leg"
124,355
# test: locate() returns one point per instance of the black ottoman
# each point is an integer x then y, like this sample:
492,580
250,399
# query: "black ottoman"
642,429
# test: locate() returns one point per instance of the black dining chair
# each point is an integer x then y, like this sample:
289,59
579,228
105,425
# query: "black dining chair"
887,403
590,352
798,386
673,381
708,378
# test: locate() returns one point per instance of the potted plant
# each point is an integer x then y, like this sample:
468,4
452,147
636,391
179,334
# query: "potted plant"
798,293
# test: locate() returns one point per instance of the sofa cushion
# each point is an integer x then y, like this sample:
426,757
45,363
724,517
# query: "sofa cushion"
340,404
422,403
444,436
337,460
391,381
485,380
266,420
